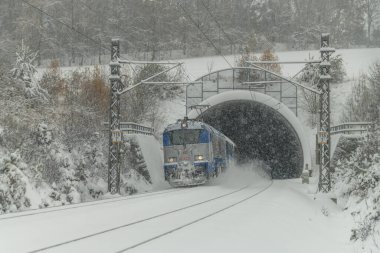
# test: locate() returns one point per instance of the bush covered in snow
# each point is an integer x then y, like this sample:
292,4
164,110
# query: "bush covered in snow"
357,186
60,139
357,169
135,175
13,184
345,148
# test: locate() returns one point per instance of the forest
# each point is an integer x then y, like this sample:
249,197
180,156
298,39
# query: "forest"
79,32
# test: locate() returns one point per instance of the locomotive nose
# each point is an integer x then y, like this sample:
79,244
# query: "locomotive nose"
184,165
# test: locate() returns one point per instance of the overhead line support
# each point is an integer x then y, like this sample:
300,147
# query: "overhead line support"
324,184
114,119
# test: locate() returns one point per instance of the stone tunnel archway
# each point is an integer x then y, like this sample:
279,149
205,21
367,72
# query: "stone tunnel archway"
262,127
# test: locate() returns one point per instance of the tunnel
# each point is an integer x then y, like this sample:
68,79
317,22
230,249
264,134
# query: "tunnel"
262,129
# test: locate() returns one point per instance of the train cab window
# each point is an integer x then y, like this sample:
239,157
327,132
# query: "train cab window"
184,136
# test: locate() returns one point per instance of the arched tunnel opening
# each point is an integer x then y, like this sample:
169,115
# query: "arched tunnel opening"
260,133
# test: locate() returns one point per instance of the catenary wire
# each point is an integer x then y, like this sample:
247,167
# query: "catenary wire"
216,21
71,28
204,34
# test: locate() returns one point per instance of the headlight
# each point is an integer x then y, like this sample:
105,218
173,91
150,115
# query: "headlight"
199,158
172,159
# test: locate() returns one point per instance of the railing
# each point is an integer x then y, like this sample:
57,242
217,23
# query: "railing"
133,128
352,128
243,78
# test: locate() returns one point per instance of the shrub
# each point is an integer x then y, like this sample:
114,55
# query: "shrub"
268,55
13,185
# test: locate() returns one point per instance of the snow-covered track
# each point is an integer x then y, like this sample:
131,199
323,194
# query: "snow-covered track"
178,210
32,212
197,220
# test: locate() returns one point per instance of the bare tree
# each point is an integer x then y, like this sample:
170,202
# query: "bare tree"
372,12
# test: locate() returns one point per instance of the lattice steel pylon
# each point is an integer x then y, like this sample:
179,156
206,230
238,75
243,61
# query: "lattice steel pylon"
324,184
114,120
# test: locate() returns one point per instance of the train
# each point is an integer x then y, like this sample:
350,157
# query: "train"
195,152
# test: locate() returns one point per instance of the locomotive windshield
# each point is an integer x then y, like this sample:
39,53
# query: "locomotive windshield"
184,136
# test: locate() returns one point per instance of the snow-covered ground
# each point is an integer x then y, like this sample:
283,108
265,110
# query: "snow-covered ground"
355,61
242,212
223,216
153,157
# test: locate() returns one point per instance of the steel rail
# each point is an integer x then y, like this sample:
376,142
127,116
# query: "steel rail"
164,83
147,62
197,220
282,62
137,222
86,204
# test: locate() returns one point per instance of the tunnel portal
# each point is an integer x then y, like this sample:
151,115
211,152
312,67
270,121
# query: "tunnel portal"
260,132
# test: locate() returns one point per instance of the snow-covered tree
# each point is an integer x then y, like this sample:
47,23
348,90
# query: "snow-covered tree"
43,135
372,12
24,71
269,55
135,175
358,104
141,103
247,55
13,185
310,75
357,186
363,103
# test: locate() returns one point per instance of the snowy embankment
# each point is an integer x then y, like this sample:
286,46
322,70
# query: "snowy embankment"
153,157
355,61
242,212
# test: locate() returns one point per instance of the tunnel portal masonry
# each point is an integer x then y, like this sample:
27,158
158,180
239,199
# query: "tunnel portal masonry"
259,106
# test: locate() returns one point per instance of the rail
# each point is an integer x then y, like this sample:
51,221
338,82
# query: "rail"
351,128
133,128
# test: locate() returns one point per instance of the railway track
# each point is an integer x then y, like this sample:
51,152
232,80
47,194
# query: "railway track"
165,215
194,221
32,212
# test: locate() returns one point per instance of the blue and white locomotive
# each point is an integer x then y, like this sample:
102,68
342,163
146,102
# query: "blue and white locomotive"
194,152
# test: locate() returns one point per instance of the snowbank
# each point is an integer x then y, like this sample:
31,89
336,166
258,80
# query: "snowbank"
153,156
355,61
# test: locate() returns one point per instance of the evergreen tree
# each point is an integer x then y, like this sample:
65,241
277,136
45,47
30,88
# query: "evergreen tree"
138,161
13,185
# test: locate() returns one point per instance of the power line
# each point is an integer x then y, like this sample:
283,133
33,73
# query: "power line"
217,23
204,34
66,25
72,28
93,11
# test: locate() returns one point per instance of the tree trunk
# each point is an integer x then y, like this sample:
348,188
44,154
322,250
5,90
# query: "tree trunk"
100,52
369,22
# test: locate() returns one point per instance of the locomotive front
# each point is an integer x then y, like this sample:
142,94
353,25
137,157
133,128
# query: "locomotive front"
186,153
